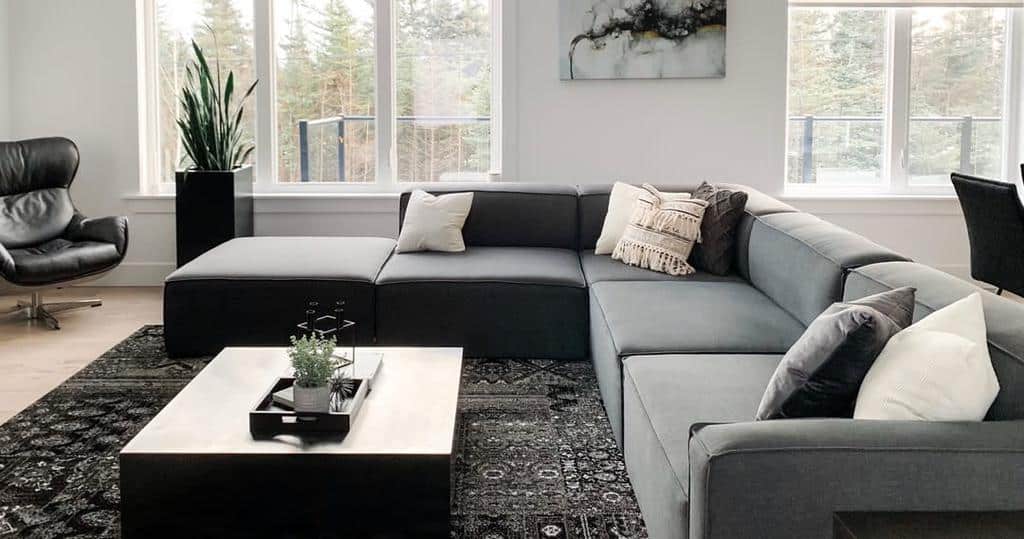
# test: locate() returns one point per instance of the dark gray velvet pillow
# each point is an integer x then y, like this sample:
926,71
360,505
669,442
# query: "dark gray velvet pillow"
717,249
821,374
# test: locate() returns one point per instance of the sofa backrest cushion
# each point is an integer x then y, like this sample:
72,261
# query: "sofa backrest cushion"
31,218
512,214
800,261
1004,320
35,205
758,204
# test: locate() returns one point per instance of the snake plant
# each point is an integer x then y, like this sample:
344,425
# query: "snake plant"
210,124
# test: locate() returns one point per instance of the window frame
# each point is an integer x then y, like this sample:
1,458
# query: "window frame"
265,102
896,112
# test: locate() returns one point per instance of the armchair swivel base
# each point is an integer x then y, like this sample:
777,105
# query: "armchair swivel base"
36,309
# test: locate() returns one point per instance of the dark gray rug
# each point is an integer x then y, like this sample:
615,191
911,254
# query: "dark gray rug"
535,456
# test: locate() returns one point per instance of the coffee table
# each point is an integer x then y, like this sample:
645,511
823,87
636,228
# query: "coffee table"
195,470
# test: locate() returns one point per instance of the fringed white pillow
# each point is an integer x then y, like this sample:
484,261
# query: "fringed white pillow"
661,233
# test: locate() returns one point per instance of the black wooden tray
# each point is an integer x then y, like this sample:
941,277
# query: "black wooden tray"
268,419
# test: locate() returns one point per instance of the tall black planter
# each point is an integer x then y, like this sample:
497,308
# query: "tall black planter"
211,208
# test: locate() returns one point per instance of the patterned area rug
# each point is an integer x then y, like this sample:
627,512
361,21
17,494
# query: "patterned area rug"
535,456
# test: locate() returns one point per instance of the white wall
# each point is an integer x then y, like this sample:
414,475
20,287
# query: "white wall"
5,73
76,75
656,130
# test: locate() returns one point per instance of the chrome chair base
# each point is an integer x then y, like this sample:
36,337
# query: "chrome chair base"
36,309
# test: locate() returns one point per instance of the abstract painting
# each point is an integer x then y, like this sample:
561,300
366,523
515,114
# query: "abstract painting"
642,39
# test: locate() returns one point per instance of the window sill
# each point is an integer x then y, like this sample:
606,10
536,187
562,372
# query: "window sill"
868,196
270,203
823,204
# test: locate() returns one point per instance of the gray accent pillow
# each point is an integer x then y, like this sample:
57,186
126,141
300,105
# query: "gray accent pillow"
717,249
822,372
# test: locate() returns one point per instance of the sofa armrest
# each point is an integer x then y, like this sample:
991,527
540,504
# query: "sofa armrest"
787,478
104,229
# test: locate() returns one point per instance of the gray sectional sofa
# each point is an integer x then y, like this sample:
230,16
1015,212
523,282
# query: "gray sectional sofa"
682,362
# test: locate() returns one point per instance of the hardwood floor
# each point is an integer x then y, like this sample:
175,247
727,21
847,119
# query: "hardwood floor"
35,359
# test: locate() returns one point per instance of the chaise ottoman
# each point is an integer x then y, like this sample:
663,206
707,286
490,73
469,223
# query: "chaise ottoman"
253,291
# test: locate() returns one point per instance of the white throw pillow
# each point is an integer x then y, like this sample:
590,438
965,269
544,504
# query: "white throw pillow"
434,223
938,369
620,208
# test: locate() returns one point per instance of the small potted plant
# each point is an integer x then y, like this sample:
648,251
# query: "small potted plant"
314,364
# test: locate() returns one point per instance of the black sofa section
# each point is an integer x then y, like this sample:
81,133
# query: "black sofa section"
253,291
517,291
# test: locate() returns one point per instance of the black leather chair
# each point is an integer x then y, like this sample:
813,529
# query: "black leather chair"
45,243
995,227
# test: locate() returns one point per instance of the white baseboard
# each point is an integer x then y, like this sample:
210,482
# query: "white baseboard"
136,274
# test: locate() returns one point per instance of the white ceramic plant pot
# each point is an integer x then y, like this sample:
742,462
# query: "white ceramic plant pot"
312,399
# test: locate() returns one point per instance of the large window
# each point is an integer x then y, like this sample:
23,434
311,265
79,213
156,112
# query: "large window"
351,92
894,99
221,25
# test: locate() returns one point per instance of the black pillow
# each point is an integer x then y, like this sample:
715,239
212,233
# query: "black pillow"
821,374
717,249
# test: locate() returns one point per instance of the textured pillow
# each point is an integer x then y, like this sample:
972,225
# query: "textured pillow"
661,232
620,208
821,374
717,248
936,370
434,223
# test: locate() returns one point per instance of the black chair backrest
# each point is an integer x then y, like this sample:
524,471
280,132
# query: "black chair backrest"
35,205
995,227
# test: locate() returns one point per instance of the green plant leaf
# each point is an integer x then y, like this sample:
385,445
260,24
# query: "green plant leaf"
210,124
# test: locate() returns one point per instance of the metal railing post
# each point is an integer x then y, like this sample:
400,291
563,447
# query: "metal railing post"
304,150
966,141
341,149
807,150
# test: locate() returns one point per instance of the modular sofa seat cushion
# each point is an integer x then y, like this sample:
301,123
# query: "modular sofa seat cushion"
801,261
59,260
253,291
1004,320
599,268
671,317
493,301
665,395
512,214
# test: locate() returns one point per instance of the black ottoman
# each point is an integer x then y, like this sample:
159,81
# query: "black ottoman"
253,291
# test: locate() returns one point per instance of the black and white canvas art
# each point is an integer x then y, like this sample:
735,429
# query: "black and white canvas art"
642,39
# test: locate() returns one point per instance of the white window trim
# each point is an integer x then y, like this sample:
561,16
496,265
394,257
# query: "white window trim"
150,181
264,62
895,177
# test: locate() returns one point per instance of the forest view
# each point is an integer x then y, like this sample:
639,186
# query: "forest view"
838,77
325,58
325,62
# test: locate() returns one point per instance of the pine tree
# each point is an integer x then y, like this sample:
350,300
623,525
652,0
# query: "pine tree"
345,75
226,38
172,55
296,97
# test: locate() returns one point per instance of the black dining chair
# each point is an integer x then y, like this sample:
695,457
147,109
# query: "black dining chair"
995,227
45,242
